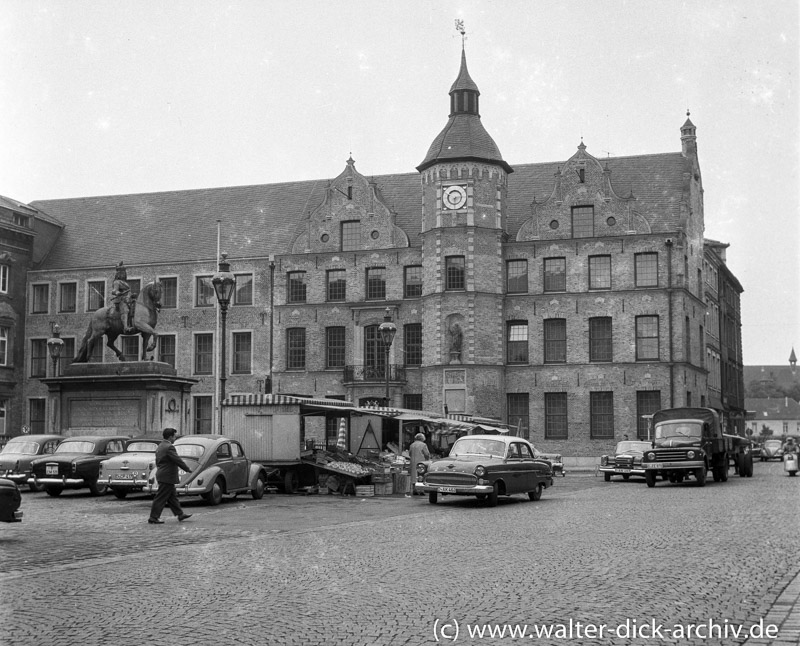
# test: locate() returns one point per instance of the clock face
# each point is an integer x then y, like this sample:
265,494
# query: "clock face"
455,197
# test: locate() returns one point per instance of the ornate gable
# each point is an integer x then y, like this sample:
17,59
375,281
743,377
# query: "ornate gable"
350,198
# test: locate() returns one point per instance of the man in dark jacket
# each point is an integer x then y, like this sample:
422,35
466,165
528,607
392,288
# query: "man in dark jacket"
167,463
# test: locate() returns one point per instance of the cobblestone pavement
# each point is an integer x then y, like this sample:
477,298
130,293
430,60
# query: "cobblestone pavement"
595,562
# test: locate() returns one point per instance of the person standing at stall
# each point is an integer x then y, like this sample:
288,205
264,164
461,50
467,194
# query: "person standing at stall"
418,452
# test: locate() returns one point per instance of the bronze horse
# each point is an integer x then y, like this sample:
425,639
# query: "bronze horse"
106,321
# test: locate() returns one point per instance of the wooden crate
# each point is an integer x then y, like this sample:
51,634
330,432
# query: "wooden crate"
365,491
384,488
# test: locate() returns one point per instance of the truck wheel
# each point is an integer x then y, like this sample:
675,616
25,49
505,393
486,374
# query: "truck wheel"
258,488
433,497
650,478
723,471
607,477
290,482
700,475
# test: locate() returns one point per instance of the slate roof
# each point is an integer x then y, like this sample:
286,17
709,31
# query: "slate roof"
773,408
258,220
463,138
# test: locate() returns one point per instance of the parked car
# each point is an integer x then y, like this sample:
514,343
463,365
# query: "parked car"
555,460
626,461
76,464
219,467
130,471
772,450
10,500
485,466
17,455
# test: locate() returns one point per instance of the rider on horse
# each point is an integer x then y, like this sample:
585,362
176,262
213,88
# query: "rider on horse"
121,297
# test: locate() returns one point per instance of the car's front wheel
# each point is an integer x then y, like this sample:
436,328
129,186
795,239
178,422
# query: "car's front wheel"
492,499
536,494
214,497
433,497
258,488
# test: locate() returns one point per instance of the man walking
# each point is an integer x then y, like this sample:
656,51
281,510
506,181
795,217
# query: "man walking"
167,463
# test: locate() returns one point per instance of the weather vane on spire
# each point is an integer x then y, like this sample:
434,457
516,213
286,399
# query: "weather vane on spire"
460,29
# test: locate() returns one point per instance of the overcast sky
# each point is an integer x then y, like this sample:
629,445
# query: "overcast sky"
100,98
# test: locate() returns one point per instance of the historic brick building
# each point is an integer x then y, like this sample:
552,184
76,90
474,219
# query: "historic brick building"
566,297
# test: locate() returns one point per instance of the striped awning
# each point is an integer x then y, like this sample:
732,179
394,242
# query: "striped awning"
257,399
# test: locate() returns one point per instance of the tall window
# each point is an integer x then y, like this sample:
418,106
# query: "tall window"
555,274
374,354
296,348
646,269
455,269
517,276
243,294
646,338
412,344
39,357
412,401
647,403
351,236
582,221
67,297
204,292
203,411
517,343
203,353
40,299
336,288
412,281
4,279
3,346
555,340
166,348
169,292
130,347
334,347
3,416
242,353
36,415
376,283
296,287
600,343
555,416
601,414
518,412
599,272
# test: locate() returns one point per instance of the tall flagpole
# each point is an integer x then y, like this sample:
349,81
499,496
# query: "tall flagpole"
217,372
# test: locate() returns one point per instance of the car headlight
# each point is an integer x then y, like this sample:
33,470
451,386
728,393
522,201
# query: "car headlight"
690,455
480,471
651,456
603,460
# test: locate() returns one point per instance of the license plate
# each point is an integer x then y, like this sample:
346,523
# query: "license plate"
654,465
51,469
124,476
624,470
447,489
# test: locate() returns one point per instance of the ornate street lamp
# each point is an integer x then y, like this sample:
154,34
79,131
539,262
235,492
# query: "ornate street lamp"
224,283
387,331
54,346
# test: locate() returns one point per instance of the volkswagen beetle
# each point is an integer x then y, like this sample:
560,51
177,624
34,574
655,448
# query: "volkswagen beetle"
219,467
485,466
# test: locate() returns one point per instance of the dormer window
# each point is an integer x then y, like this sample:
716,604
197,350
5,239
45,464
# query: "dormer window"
21,220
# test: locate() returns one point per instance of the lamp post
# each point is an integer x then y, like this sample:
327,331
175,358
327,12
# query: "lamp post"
54,346
387,331
224,283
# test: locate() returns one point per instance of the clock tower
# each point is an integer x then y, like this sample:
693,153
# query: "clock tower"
464,186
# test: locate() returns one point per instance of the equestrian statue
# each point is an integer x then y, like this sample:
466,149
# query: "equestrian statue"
124,316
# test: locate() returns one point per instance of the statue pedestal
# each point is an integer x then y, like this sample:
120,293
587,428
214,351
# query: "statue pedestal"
125,398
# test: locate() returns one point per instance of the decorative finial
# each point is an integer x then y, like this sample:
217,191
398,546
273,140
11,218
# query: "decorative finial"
687,112
460,29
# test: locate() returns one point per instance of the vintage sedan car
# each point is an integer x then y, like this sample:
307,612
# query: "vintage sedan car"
626,461
485,466
17,455
10,500
130,471
76,464
219,467
772,450
555,460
